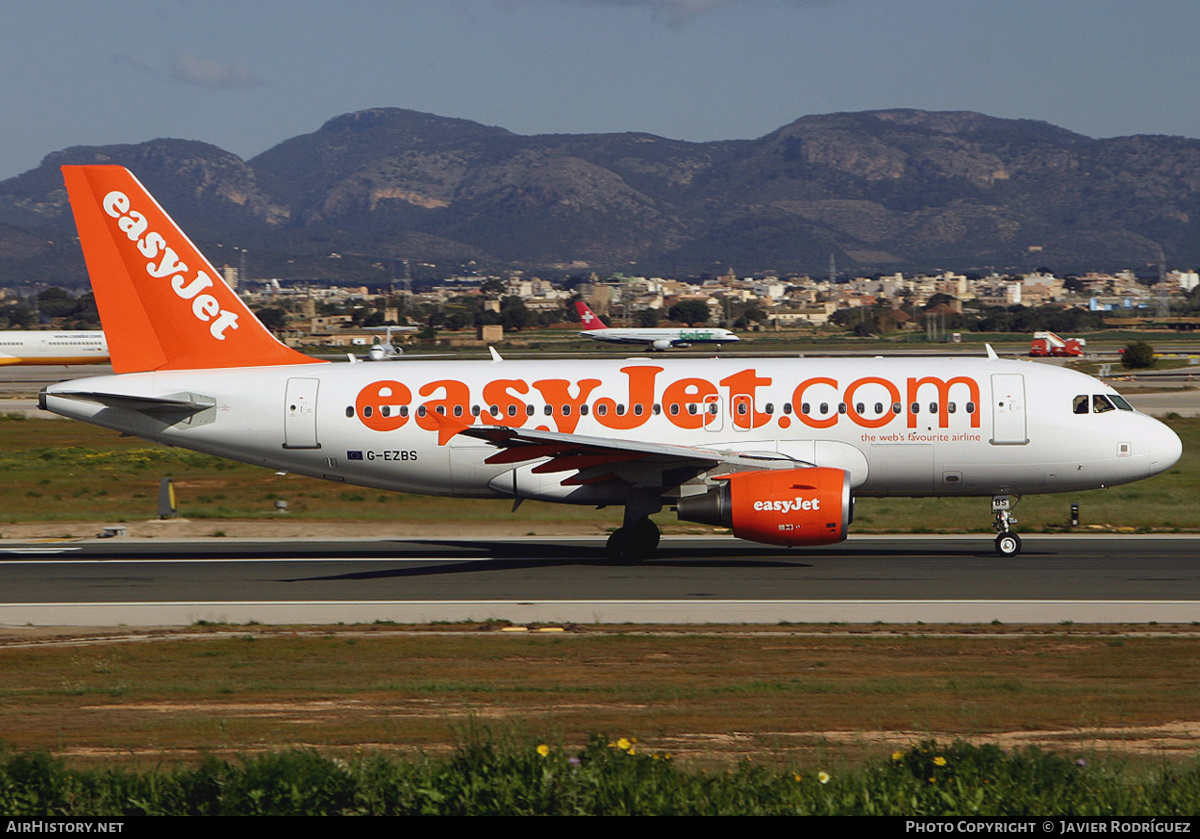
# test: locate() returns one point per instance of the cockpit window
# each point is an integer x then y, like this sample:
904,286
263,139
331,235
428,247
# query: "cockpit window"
1080,404
1101,403
1120,402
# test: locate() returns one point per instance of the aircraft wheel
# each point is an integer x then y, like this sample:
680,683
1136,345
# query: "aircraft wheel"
622,546
647,535
633,543
1008,544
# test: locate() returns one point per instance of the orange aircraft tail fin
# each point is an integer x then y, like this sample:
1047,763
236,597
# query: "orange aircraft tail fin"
163,305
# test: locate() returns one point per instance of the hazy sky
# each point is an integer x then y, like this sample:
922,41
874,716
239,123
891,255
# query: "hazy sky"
247,74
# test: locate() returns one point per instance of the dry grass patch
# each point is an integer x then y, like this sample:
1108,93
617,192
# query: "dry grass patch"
713,695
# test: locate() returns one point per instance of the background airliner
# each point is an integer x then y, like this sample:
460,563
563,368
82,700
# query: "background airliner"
655,338
775,449
52,347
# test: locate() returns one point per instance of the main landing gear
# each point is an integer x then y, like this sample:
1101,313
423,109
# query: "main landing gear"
637,537
633,542
1007,542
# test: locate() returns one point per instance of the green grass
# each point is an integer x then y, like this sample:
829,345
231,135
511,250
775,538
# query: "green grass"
605,777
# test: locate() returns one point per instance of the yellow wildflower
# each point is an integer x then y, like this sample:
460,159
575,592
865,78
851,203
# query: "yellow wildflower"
939,761
823,776
543,750
897,755
623,744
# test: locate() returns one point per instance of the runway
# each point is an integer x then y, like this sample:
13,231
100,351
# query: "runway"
694,580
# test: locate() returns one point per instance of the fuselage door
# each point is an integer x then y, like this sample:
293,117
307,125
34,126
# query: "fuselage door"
300,414
1008,410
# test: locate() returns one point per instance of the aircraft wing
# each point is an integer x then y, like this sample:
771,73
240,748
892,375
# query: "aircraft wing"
598,459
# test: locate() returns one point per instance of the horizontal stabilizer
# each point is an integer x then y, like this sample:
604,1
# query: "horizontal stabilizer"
188,403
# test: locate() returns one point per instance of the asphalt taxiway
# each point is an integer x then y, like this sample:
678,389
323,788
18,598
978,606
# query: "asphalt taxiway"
893,579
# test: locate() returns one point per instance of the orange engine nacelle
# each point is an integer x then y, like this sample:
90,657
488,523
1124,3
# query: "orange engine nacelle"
809,506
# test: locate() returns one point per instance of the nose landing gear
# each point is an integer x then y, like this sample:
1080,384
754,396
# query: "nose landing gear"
1007,542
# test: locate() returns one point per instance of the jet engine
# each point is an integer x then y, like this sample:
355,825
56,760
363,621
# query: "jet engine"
792,507
662,344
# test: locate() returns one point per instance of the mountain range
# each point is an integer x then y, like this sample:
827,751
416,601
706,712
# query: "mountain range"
880,191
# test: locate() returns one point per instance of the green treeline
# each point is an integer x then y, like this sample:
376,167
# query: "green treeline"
604,778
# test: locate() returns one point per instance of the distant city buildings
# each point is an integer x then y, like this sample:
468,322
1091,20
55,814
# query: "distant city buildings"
351,316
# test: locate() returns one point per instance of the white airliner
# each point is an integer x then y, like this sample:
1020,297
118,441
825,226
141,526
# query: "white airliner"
52,347
655,338
775,449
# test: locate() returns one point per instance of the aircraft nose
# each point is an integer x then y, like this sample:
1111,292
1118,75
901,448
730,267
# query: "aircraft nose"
1165,448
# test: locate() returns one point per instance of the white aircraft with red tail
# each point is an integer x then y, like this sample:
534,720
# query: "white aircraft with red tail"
650,337
776,449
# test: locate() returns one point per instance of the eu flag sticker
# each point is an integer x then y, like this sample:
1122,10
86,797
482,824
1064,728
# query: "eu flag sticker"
354,456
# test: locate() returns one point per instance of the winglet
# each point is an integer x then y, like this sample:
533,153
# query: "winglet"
991,353
163,305
448,427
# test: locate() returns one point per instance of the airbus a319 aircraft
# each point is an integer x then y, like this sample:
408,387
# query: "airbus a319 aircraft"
654,338
775,449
